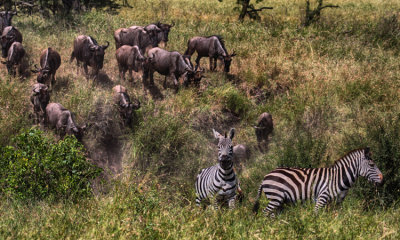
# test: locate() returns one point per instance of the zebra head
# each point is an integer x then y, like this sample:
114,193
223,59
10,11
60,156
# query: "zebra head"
368,168
225,148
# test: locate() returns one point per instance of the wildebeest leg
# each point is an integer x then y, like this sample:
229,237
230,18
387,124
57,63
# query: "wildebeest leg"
121,72
77,66
174,78
85,68
53,79
215,64
151,77
165,82
198,62
130,75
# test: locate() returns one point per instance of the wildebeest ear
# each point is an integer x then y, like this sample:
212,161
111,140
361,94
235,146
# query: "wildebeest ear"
217,135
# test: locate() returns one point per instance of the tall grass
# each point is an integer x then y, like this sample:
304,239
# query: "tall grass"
330,88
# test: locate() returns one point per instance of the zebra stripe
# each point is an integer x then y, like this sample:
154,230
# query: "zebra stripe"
219,182
322,185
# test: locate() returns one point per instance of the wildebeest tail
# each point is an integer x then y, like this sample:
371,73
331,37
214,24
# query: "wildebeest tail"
72,57
187,50
257,203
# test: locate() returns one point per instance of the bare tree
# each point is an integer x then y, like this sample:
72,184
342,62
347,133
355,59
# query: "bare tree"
248,9
314,15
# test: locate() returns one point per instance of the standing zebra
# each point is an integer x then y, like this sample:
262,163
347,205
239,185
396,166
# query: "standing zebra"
219,182
322,185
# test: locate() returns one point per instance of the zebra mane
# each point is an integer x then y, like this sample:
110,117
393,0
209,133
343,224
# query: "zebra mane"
349,153
221,41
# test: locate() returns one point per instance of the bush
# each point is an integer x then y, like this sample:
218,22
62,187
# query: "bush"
164,144
383,136
35,168
302,149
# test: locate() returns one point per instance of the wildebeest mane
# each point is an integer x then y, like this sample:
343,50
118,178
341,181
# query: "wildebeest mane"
221,40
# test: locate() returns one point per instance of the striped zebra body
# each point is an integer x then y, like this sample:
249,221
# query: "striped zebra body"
322,185
219,182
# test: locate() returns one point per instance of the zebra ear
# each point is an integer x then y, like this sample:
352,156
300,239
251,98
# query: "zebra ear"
217,135
232,133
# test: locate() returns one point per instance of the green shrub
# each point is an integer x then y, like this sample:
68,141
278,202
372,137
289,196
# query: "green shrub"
236,102
35,168
164,144
383,136
302,149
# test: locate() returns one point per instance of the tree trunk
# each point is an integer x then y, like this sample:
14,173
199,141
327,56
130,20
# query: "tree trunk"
245,5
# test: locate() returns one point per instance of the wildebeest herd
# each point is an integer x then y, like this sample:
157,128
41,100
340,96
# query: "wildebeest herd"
137,49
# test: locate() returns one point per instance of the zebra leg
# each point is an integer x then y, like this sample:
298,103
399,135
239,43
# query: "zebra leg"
231,203
322,200
271,207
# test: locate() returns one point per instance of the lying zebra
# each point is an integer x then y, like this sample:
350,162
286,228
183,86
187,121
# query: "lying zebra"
219,182
323,185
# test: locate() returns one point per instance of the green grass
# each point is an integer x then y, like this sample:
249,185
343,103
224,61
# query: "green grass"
330,88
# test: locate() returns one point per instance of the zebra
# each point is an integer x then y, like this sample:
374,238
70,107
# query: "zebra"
219,182
322,185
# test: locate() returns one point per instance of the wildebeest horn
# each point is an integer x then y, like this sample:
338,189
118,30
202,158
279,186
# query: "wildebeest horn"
106,46
173,23
92,47
233,53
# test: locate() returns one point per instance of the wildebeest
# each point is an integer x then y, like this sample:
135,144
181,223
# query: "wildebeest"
168,64
15,54
144,37
62,119
50,61
128,58
165,28
10,34
264,127
240,153
125,106
40,97
195,75
87,50
5,19
136,35
212,47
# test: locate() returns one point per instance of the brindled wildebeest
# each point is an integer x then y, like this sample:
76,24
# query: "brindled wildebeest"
128,58
62,119
212,47
40,97
50,61
14,57
87,50
167,63
9,35
125,106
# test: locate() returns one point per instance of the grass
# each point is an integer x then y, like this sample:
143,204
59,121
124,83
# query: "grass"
330,88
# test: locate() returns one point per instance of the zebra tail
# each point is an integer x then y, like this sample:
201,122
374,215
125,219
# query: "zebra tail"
257,203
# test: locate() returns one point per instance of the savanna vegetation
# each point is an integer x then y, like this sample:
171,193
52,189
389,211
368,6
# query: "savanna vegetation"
331,87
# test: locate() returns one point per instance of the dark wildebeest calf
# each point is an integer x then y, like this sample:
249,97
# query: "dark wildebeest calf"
264,127
87,50
15,54
50,61
5,19
62,119
212,47
9,36
128,58
166,63
125,106
40,97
